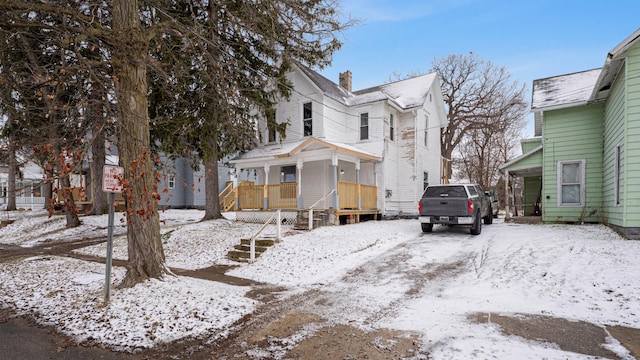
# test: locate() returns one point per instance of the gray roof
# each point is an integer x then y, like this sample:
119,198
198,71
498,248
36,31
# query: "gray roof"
582,87
564,90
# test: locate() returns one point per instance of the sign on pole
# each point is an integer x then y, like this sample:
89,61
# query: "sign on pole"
111,183
111,176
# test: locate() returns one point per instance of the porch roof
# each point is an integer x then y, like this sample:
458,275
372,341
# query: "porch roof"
528,164
291,149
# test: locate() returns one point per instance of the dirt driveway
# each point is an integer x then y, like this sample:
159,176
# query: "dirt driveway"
303,326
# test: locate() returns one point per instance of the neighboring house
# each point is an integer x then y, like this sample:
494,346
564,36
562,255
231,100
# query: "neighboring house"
183,187
28,185
584,164
366,152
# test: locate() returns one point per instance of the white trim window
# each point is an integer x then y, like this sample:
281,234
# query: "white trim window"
307,119
171,182
364,126
426,131
571,183
392,127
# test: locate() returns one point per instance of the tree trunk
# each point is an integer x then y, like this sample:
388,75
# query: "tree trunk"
70,210
11,177
212,198
146,256
99,197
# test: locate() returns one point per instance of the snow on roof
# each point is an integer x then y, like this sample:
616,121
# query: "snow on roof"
273,151
407,94
564,90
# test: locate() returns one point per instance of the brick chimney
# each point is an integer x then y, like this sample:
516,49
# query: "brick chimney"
345,80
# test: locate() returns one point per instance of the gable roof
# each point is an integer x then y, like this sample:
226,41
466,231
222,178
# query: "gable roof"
286,150
405,94
563,91
612,64
582,87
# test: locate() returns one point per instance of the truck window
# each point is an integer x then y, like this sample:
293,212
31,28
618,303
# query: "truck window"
473,191
446,191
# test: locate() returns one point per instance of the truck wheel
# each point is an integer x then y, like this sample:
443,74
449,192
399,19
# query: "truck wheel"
489,218
476,228
427,227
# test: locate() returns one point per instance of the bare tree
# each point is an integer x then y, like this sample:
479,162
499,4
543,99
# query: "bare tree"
483,104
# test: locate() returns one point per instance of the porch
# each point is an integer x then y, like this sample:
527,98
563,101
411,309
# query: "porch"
346,205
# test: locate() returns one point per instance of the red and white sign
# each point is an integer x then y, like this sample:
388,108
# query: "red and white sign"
111,176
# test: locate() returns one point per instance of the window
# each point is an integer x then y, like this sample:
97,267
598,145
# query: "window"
307,119
617,174
391,127
364,126
271,125
571,183
272,135
426,131
171,182
425,180
288,174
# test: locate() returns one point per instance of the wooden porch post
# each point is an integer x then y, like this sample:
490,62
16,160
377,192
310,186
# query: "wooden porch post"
358,182
265,191
233,176
507,197
300,200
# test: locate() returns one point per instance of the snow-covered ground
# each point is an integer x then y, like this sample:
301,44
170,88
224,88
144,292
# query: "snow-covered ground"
580,272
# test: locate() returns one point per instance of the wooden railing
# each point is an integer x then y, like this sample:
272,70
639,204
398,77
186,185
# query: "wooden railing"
250,196
227,197
283,196
368,196
348,193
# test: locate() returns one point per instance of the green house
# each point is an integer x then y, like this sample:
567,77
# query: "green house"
583,164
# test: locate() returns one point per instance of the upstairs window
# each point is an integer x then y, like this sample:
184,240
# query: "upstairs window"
364,126
391,127
171,182
426,131
271,128
571,183
307,119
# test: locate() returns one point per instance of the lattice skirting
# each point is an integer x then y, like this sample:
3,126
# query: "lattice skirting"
260,217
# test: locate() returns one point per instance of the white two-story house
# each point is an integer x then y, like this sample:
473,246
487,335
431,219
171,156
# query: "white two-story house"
366,152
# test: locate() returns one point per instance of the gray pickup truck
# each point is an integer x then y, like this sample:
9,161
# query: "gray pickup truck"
455,204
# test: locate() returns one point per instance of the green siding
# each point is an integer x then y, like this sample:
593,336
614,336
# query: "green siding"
530,144
631,194
531,161
614,130
573,134
530,195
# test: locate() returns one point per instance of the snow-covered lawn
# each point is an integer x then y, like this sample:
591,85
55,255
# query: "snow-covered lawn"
581,272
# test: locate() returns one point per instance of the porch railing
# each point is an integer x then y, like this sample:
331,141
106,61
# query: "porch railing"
250,196
227,197
282,196
368,196
349,192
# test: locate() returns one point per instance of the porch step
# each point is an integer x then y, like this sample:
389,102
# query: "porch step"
320,218
242,252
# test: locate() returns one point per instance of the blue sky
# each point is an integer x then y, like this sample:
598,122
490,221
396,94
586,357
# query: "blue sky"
533,39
